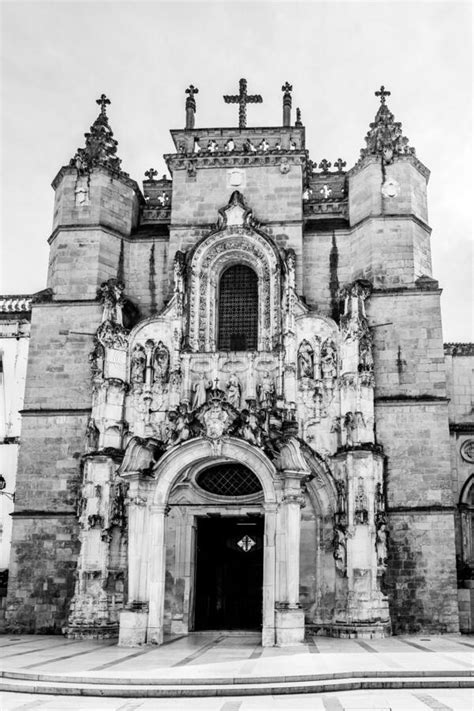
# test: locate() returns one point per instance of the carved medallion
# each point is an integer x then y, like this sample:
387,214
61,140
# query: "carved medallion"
467,450
390,188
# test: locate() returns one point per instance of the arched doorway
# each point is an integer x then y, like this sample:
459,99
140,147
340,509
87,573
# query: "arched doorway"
188,463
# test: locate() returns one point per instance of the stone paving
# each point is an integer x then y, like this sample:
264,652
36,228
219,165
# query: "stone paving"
232,672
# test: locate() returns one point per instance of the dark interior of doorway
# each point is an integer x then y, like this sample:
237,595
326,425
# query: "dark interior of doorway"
229,573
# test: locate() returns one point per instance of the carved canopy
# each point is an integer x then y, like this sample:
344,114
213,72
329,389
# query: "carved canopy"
236,241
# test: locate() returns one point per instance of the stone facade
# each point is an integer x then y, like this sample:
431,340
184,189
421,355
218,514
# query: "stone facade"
156,401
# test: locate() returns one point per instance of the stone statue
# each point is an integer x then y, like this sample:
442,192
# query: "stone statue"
305,360
381,540
180,425
137,365
266,390
291,269
179,269
161,363
233,391
341,496
200,391
250,429
339,544
92,435
328,361
111,295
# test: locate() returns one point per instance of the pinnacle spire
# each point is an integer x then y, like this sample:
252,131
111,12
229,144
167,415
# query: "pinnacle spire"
101,147
385,136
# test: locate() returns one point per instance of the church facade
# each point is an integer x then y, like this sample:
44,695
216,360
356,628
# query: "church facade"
236,412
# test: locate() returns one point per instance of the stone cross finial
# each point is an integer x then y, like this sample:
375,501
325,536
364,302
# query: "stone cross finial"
242,99
340,164
382,93
298,121
286,89
150,173
324,165
190,105
103,102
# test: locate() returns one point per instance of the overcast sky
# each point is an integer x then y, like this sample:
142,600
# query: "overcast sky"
58,57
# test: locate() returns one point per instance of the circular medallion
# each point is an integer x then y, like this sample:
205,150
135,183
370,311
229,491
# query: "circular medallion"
390,188
467,450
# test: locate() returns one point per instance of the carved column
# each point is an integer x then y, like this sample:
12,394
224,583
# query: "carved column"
269,575
289,615
157,574
133,620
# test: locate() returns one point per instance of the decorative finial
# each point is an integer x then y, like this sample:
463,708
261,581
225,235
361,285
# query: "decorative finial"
103,102
298,121
382,93
190,106
286,89
242,99
340,164
150,173
324,165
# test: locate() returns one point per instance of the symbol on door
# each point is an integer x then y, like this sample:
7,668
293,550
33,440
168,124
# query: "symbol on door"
246,544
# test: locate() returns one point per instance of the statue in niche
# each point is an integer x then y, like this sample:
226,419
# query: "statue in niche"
339,546
379,498
200,391
179,270
161,363
96,359
92,435
361,514
328,363
266,390
305,360
137,365
381,535
341,497
233,391
349,425
111,295
366,361
81,191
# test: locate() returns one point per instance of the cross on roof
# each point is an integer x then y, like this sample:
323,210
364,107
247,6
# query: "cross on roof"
192,90
287,87
243,99
382,93
150,173
103,102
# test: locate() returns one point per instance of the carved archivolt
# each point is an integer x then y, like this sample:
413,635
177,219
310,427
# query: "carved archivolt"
237,242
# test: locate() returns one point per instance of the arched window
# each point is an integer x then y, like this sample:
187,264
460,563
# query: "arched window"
238,309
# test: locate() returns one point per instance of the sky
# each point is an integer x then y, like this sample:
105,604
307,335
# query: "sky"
58,57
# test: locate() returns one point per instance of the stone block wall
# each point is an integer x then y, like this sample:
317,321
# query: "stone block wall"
421,578
56,410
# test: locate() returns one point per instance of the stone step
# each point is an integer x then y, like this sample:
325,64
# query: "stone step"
227,687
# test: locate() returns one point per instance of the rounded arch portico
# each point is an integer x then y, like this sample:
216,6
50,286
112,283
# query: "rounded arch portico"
147,516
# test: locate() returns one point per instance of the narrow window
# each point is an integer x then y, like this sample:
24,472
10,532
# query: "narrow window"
238,309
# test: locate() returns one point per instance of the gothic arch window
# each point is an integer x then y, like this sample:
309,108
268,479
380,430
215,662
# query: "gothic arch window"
238,309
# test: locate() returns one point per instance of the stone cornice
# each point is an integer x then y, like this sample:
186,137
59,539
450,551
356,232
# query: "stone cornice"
459,349
409,158
393,216
183,161
75,227
53,412
425,510
118,175
411,400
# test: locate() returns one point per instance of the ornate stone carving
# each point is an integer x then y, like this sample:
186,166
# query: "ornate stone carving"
140,456
234,391
200,391
137,366
161,363
242,99
100,148
467,450
361,513
305,360
266,390
385,136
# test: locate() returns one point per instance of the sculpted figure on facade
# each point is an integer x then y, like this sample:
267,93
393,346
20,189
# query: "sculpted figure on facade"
200,391
161,363
381,534
179,425
96,360
328,364
137,366
361,513
234,390
92,435
110,294
266,390
305,360
251,428
179,272
216,417
339,547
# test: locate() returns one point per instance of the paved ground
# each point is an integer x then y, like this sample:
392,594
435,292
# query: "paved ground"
418,664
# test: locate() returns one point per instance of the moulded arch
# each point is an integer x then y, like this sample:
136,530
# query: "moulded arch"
172,464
